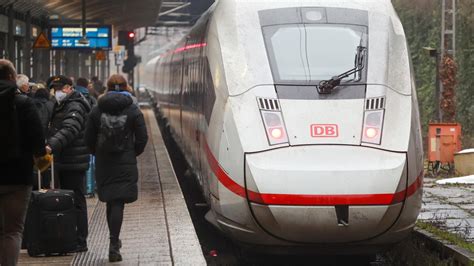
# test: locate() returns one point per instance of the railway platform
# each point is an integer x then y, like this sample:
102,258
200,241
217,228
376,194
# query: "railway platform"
157,229
449,207
449,211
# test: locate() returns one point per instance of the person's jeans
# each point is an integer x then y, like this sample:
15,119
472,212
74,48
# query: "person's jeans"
13,206
76,181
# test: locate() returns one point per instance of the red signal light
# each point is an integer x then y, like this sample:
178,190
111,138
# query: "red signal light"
131,35
371,132
274,126
277,133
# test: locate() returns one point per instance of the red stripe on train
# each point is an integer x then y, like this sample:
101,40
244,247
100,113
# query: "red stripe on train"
308,200
330,200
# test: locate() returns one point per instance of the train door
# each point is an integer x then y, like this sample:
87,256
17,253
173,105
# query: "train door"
190,100
198,118
186,111
194,95
200,94
167,88
176,89
200,121
208,94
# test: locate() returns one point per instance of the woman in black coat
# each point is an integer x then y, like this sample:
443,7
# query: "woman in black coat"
116,133
44,107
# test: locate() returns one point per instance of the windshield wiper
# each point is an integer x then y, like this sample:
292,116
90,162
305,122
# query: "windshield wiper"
327,86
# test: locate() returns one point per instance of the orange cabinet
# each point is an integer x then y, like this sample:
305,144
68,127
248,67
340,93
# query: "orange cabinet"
444,141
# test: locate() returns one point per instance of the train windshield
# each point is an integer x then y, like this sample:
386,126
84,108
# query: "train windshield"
309,53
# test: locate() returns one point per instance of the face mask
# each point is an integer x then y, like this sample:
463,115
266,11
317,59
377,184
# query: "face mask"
59,95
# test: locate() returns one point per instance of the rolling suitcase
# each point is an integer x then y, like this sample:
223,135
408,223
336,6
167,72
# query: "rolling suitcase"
51,224
90,178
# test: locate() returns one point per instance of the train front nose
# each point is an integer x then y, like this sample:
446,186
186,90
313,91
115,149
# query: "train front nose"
327,193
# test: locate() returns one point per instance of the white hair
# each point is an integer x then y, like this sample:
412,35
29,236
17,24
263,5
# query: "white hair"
22,80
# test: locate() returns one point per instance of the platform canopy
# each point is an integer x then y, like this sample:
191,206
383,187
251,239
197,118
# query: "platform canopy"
24,6
123,14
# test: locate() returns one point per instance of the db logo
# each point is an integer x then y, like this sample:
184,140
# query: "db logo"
324,131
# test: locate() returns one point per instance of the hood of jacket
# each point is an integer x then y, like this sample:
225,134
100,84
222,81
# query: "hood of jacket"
82,90
8,89
114,102
77,97
40,100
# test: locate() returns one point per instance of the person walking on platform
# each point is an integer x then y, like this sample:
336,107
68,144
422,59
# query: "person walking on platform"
96,87
23,83
22,138
81,87
116,133
66,142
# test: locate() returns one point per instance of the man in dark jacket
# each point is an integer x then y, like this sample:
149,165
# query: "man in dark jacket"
22,138
66,142
116,133
97,87
82,85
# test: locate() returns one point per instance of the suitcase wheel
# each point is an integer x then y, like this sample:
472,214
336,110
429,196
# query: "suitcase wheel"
33,252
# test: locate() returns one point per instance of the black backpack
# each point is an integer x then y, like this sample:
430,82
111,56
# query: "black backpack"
44,113
10,134
113,133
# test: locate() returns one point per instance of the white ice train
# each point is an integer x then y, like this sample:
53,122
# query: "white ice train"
300,120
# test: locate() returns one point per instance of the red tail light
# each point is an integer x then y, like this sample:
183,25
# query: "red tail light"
274,126
276,133
371,132
373,123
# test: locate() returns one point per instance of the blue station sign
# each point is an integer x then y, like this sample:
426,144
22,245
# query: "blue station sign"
67,37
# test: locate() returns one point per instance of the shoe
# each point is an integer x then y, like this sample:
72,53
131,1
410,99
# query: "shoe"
114,251
115,257
81,248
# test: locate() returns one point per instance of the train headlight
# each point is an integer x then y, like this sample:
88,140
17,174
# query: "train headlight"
275,128
272,120
277,133
371,132
373,123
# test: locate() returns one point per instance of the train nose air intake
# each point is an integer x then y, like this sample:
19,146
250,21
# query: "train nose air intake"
342,213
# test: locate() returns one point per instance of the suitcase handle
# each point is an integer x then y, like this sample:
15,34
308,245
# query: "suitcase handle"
52,175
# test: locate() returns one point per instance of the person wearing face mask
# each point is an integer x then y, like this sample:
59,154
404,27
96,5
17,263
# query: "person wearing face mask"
66,141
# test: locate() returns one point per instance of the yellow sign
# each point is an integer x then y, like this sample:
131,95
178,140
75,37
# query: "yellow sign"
119,48
42,42
100,56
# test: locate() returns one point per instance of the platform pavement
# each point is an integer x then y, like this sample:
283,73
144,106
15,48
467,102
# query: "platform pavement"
450,207
157,229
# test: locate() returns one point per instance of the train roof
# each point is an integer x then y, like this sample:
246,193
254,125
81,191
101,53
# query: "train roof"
380,6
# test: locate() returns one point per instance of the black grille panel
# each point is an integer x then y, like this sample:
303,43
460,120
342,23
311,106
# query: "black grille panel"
375,103
268,104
